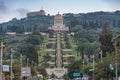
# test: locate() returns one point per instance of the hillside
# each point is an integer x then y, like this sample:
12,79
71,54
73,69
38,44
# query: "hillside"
89,20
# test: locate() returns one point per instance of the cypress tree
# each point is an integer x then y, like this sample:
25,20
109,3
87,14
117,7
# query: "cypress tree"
106,40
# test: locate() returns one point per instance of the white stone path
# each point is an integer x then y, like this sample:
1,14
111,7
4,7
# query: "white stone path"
58,55
59,71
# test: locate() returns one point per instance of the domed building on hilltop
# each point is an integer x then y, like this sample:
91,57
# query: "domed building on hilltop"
58,24
36,13
58,16
42,12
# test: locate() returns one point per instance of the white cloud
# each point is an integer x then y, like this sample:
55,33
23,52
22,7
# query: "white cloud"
6,13
6,16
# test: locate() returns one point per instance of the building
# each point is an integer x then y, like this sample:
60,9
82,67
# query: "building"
59,71
36,13
11,33
58,24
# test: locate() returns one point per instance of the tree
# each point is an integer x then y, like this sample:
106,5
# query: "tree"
34,39
74,67
89,51
35,27
52,75
41,70
74,22
1,29
86,69
118,23
30,52
106,40
71,59
47,57
16,69
85,36
36,33
66,76
33,71
51,33
117,41
103,70
81,48
17,29
4,43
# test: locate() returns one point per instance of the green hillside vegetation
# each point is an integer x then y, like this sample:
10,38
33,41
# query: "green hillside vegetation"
73,21
87,41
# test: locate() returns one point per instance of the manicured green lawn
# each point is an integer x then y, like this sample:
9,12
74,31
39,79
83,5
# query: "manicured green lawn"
71,51
41,52
74,46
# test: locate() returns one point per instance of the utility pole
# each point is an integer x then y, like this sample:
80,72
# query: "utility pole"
93,65
1,56
20,65
83,63
116,63
27,61
11,52
32,63
101,55
21,60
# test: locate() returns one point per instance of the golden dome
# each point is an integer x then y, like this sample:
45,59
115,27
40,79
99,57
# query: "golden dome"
58,16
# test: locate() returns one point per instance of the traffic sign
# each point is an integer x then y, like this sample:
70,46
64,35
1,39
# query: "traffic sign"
6,68
85,75
76,74
91,69
111,67
26,71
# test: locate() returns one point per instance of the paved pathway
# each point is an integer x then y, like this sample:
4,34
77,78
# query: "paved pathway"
59,71
58,55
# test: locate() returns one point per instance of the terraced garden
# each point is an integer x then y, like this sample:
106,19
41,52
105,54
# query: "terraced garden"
48,52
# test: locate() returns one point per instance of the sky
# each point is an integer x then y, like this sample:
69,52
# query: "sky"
18,8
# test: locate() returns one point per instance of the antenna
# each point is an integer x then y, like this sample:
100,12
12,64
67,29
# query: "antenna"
42,8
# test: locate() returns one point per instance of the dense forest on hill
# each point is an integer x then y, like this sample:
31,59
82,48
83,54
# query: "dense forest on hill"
92,20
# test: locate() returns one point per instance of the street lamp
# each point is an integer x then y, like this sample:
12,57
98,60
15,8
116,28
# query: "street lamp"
11,52
116,45
116,63
1,55
21,65
27,61
93,65
21,59
32,63
101,55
